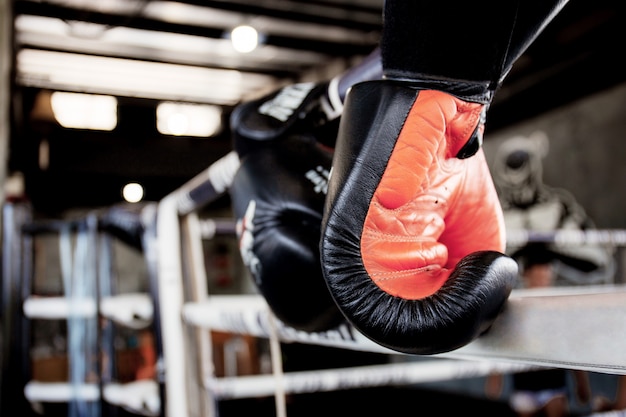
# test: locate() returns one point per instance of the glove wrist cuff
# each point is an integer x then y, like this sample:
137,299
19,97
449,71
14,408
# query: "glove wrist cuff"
472,91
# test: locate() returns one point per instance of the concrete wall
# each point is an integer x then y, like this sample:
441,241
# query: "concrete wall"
587,151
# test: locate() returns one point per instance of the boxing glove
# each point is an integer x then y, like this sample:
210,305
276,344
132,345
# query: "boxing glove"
284,143
302,108
278,196
413,233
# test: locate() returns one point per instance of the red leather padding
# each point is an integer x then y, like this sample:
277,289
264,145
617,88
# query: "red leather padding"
431,209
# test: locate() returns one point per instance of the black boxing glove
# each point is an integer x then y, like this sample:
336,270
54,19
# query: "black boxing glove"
303,108
278,193
306,108
278,196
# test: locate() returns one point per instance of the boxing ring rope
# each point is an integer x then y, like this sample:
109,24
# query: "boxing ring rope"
301,382
536,328
611,237
539,328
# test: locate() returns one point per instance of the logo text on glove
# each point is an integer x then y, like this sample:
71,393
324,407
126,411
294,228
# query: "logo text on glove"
319,178
286,101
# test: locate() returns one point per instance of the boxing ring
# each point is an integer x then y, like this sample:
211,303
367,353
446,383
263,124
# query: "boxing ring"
535,330
577,327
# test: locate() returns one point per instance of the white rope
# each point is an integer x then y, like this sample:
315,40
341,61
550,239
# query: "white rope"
430,370
221,173
613,413
214,181
60,392
250,314
542,327
277,369
141,397
613,237
58,308
133,310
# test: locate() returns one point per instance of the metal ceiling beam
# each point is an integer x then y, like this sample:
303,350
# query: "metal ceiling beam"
346,14
341,48
282,70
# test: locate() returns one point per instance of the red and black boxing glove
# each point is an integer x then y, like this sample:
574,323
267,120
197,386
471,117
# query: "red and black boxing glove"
413,233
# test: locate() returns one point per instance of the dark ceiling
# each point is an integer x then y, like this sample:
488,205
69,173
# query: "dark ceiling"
179,51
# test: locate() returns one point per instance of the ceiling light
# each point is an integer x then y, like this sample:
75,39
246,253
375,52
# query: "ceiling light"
132,192
133,78
84,111
183,119
245,38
